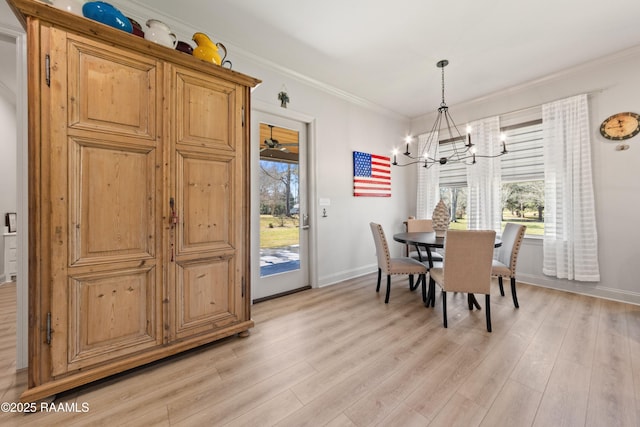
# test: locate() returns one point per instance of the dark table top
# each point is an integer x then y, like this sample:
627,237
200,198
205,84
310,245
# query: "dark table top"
426,239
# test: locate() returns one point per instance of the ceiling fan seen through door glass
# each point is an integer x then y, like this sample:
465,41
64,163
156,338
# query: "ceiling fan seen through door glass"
273,144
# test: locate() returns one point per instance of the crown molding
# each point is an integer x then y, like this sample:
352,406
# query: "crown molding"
324,87
137,11
613,58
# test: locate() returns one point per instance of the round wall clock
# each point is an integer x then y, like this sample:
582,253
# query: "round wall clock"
620,126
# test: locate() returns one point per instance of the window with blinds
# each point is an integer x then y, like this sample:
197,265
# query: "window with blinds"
522,173
523,162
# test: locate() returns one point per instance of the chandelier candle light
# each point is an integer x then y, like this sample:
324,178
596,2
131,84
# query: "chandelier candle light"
466,154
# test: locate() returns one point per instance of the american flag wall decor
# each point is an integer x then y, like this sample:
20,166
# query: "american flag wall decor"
371,175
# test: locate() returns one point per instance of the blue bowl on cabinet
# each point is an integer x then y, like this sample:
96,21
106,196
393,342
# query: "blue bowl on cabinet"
107,14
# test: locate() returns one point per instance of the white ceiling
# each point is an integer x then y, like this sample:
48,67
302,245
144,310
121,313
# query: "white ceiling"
385,51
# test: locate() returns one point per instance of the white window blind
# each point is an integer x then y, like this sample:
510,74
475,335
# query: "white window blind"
524,161
451,174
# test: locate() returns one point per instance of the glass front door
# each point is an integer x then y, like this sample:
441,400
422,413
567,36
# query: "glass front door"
279,206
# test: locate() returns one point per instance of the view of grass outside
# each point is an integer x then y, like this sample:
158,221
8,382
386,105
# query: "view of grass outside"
278,231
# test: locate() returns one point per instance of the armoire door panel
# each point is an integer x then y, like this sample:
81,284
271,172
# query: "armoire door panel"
205,186
204,301
112,201
111,314
205,111
110,91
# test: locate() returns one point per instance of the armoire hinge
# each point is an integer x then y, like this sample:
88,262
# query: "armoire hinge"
47,69
49,328
243,285
243,116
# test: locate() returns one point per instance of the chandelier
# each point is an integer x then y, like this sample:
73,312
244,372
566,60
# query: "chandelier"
430,154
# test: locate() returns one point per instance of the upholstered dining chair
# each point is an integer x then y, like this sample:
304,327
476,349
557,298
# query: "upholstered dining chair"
467,267
390,266
421,225
505,264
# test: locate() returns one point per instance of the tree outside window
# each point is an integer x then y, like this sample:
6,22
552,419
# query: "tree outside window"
523,203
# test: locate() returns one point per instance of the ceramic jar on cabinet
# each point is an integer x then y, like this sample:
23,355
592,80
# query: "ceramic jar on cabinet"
71,6
160,33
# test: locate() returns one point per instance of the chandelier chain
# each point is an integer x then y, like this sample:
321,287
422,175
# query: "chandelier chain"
443,104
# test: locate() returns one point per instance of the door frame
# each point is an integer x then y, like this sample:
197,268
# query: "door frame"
310,122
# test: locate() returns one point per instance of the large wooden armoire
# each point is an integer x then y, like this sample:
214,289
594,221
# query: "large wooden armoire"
138,200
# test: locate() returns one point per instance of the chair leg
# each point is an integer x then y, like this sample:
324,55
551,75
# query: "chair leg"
386,298
423,277
432,293
379,278
429,295
412,286
473,302
500,284
488,311
444,307
513,292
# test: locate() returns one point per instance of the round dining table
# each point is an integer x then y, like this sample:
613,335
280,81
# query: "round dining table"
429,240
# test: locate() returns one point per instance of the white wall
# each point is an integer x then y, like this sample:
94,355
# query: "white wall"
8,159
613,87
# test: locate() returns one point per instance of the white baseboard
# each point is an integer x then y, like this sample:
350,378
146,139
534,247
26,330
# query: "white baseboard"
583,288
341,276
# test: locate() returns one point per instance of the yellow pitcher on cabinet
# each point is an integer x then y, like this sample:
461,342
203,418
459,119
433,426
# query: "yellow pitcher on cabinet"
207,50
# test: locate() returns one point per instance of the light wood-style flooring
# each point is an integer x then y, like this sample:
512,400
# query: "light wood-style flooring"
339,356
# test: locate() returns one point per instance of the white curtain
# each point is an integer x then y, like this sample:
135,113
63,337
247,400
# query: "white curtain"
570,236
428,178
484,207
